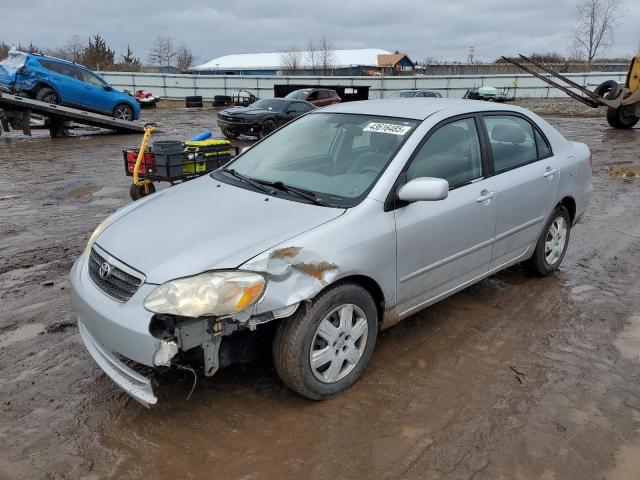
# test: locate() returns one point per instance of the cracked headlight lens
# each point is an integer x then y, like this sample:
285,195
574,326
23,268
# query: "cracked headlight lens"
211,293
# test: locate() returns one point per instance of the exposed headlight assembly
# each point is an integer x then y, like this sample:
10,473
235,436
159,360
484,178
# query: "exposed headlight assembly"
210,293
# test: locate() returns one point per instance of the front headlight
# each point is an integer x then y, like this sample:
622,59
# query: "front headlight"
211,293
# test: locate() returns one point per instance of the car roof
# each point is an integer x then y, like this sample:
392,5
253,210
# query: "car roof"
410,108
56,59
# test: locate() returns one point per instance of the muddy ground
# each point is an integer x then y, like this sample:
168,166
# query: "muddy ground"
513,378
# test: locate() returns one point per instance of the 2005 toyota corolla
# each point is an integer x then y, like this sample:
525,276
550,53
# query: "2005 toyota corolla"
339,224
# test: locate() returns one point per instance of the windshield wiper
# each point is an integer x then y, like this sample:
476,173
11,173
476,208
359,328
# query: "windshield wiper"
301,192
253,183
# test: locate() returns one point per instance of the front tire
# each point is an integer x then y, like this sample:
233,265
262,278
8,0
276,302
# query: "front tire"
268,126
123,112
322,350
552,244
619,118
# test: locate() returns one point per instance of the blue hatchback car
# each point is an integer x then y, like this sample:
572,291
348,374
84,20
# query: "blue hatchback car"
52,80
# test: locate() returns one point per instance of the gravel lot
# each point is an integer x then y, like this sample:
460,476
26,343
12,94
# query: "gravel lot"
513,378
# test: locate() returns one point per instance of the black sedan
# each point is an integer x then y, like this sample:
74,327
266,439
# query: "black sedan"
262,117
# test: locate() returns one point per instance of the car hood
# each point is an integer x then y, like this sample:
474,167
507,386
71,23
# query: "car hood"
204,225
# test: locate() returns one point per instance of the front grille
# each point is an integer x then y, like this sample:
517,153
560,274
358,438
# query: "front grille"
118,284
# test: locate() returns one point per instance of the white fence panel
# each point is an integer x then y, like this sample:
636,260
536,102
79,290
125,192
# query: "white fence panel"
173,86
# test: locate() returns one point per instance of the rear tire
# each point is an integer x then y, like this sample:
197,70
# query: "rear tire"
552,244
48,95
342,348
617,118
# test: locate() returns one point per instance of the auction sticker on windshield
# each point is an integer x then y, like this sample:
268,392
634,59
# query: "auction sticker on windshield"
386,128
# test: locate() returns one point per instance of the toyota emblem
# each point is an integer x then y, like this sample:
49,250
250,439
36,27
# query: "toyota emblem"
105,270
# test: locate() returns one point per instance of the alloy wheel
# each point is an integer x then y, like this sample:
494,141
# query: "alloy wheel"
123,113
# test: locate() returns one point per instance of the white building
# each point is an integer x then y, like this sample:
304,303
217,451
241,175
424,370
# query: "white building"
343,62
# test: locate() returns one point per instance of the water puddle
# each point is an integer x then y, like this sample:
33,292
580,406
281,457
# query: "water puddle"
627,463
24,332
76,189
626,170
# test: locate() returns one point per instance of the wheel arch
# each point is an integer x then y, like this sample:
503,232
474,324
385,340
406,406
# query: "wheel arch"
369,284
43,84
570,204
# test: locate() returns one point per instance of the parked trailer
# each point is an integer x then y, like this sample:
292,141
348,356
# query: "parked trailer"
15,112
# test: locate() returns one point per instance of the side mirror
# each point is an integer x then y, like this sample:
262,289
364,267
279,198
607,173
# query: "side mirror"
108,88
424,189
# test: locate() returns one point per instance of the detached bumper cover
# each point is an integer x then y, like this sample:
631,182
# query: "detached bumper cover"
136,385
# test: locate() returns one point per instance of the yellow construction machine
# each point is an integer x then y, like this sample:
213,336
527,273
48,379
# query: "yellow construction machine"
622,101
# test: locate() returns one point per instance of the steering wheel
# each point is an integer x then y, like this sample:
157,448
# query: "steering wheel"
373,170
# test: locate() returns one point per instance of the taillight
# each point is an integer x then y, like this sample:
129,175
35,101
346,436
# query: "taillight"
591,160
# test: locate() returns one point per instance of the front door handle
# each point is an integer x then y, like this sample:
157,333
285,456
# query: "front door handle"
550,172
485,196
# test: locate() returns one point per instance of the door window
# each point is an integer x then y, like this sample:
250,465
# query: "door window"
92,79
512,141
452,152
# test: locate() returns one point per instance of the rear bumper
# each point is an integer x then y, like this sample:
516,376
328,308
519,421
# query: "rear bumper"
136,385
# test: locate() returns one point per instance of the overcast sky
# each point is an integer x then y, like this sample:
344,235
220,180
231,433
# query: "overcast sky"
443,30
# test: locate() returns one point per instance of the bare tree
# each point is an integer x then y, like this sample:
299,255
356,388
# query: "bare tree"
72,50
312,56
185,59
290,60
597,21
327,57
163,51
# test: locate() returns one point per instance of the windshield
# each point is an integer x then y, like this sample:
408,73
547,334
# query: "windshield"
269,104
336,156
298,94
404,94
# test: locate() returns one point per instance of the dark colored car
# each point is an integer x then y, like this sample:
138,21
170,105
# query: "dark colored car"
53,80
262,117
320,97
416,94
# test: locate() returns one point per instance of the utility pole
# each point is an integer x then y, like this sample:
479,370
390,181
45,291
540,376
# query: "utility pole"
471,56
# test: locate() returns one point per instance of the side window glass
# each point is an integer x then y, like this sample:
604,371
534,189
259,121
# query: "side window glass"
512,141
544,150
92,79
452,152
49,65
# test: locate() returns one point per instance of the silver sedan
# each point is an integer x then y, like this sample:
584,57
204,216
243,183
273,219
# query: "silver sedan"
336,226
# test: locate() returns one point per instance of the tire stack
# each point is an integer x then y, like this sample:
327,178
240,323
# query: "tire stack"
194,101
222,101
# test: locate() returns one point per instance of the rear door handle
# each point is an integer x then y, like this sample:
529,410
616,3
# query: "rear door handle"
550,172
485,195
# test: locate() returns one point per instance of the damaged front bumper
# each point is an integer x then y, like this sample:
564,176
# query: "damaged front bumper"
136,385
